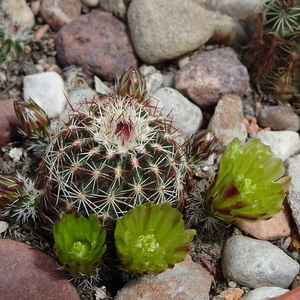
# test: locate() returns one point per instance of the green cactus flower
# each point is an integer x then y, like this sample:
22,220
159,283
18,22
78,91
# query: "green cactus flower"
150,238
132,83
79,243
249,185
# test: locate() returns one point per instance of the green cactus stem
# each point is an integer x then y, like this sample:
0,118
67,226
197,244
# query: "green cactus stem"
79,243
150,238
113,154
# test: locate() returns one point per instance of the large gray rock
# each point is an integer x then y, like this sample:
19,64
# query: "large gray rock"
163,29
293,196
255,263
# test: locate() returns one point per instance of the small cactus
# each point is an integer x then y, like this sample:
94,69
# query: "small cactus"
13,38
274,54
79,244
19,197
150,238
249,186
34,125
112,154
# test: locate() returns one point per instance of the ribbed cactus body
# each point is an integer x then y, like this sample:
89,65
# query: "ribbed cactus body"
112,154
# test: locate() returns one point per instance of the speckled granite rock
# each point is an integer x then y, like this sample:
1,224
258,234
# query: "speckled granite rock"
99,43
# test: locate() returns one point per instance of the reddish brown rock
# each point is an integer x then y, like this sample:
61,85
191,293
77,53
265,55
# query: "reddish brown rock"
278,118
277,227
30,274
211,75
99,43
59,13
292,295
8,123
228,120
186,281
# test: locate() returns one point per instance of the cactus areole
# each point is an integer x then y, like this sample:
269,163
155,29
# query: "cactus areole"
112,154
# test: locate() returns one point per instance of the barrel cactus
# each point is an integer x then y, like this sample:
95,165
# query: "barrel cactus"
111,154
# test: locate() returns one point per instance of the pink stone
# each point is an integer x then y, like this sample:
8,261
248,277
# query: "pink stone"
8,123
277,227
29,274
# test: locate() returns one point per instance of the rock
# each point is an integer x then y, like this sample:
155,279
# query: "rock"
276,228
19,12
292,295
163,29
153,82
8,123
283,143
117,7
47,90
278,118
211,75
186,116
99,43
227,121
59,13
90,3
30,274
255,263
292,169
265,293
228,31
186,281
238,9
232,293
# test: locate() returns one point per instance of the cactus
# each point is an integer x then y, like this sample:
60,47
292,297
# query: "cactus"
110,155
274,54
34,125
18,197
13,38
79,244
249,186
150,238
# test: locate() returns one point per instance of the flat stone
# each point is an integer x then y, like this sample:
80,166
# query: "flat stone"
99,43
278,118
186,281
186,115
163,29
59,13
47,90
211,75
30,274
227,121
255,263
276,228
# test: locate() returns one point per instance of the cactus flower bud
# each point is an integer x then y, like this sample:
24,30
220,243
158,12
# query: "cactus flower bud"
249,185
202,145
79,243
132,83
35,123
150,238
